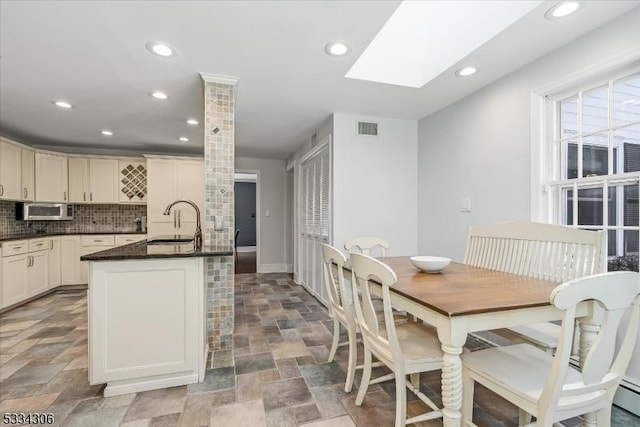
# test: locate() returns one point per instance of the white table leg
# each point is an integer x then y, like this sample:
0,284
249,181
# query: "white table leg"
452,335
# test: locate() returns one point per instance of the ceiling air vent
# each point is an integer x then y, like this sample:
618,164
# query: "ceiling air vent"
367,128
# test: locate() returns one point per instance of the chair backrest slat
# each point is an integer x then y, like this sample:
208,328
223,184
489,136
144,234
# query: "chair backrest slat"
364,270
339,294
614,292
546,251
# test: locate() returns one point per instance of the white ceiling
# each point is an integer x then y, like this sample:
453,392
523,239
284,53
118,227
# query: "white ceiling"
93,54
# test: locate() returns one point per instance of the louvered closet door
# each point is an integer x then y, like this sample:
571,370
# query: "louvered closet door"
315,218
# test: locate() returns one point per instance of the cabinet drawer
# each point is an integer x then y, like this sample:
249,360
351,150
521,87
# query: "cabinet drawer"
129,238
39,245
106,240
15,248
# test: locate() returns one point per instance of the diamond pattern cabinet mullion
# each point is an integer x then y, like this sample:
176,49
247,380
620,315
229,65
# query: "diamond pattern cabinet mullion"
132,181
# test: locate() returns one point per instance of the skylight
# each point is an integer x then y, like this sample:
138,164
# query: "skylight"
424,38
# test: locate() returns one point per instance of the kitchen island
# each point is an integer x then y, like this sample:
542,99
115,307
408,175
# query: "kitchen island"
146,311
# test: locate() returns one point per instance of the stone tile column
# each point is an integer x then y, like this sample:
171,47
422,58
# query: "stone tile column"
219,143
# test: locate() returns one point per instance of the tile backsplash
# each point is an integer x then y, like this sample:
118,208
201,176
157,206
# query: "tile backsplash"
86,219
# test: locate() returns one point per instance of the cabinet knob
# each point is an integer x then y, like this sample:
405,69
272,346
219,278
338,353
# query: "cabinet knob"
26,192
84,196
1,189
91,196
65,196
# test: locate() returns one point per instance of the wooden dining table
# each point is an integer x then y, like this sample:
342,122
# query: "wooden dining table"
463,299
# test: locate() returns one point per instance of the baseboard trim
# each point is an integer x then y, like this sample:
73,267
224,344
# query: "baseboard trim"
274,268
628,397
115,388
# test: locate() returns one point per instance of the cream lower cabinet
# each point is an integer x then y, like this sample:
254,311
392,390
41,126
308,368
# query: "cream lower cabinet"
55,262
146,324
70,267
127,239
10,174
25,270
37,273
91,244
14,279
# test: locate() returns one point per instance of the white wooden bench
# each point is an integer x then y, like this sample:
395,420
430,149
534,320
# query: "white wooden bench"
545,251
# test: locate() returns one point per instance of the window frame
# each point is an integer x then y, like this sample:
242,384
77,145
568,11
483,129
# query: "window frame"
549,163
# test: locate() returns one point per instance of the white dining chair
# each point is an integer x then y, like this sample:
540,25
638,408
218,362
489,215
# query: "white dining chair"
544,251
546,386
366,245
407,348
340,308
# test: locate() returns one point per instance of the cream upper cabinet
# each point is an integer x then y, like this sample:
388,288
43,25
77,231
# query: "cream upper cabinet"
78,180
10,173
28,174
191,186
170,180
103,180
51,178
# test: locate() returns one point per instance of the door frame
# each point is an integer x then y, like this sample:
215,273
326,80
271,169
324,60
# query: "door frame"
256,172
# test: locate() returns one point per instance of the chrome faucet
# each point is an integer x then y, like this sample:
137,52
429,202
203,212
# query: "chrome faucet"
197,237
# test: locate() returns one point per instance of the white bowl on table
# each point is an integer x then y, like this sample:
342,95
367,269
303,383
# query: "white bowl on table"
430,264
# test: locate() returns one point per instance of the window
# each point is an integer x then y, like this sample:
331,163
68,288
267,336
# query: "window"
593,173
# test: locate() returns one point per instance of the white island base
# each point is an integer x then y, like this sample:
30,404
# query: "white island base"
146,324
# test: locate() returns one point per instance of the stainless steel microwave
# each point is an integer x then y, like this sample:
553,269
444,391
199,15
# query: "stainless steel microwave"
44,211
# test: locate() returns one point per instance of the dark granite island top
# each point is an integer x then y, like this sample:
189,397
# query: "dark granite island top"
145,250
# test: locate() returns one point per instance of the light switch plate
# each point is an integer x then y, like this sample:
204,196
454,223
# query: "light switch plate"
465,205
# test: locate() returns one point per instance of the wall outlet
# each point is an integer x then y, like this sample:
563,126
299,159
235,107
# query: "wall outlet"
465,205
267,213
219,222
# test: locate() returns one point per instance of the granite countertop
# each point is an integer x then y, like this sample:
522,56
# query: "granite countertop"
42,235
144,250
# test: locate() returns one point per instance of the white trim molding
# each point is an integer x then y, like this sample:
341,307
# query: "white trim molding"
540,209
222,79
275,268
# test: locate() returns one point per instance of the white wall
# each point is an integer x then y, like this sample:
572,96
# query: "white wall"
272,187
375,182
479,146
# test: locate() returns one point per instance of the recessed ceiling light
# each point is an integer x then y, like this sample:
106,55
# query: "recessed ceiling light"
106,132
562,9
159,95
466,71
161,49
63,104
336,48
184,139
192,122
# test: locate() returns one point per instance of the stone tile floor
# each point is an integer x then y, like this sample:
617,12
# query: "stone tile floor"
276,374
